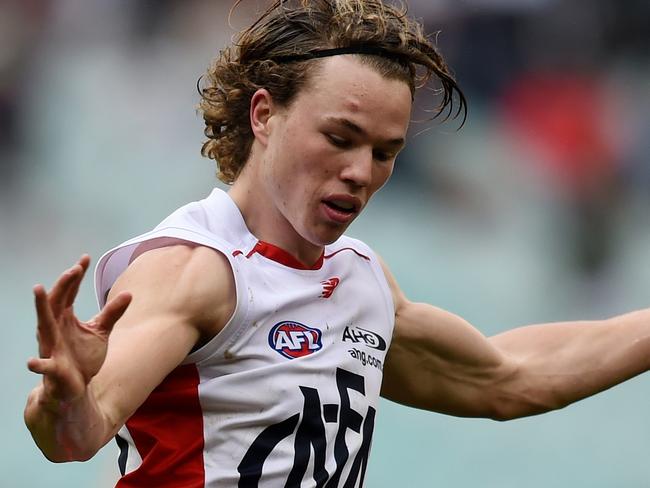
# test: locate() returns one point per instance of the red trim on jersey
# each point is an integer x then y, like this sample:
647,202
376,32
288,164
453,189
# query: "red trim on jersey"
347,249
236,253
279,255
167,431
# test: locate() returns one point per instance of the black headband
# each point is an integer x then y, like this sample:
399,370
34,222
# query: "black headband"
323,53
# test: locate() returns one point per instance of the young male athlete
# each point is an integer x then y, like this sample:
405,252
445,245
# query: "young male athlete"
245,341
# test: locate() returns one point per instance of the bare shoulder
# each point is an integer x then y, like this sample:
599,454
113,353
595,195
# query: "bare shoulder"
193,282
399,299
182,296
416,320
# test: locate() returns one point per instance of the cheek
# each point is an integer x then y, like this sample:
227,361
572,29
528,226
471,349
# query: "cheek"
381,176
309,165
299,165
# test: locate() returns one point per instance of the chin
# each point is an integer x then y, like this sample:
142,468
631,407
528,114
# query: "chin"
325,238
323,234
331,240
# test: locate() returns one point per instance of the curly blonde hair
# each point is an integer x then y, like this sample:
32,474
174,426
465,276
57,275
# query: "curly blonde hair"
270,54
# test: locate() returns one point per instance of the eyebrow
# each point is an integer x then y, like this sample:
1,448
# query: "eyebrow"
348,124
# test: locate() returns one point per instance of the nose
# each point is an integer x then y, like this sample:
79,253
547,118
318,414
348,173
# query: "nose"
357,169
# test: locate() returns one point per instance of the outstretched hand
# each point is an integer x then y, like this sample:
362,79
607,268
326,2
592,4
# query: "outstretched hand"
71,352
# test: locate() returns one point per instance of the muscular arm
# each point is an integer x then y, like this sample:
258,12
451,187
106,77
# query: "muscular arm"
437,361
182,297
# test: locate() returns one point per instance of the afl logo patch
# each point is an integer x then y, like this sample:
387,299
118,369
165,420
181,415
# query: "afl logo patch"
295,340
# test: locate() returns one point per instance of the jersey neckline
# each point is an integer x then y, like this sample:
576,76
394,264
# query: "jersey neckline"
279,255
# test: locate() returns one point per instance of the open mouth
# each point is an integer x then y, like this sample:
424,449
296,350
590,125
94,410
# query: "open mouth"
340,206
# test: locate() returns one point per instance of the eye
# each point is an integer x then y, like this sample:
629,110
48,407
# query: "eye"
338,141
382,155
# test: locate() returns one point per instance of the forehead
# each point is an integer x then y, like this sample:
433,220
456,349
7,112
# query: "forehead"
344,87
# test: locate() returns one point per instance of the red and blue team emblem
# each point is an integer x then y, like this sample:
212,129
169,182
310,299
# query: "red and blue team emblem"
295,340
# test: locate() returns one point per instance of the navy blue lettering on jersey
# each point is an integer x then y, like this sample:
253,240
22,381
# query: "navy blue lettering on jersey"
309,430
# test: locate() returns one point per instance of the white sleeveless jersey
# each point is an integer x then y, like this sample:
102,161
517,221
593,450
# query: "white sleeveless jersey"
286,394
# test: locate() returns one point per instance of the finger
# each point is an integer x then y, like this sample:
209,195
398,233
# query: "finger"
60,289
112,311
46,329
84,261
71,294
41,365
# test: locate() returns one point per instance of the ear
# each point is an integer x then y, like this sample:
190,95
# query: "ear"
262,108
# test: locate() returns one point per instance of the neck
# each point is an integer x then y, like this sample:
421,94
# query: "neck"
268,225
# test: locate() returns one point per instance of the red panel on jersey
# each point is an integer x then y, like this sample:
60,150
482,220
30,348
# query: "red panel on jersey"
168,432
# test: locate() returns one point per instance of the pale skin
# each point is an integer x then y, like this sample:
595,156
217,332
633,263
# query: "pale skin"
337,140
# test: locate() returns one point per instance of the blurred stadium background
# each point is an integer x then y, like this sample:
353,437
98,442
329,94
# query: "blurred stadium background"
537,210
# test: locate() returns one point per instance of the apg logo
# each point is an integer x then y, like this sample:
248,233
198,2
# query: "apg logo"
295,340
368,337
